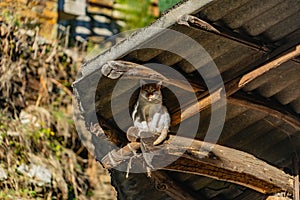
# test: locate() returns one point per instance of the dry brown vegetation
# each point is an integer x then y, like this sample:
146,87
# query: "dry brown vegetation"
36,127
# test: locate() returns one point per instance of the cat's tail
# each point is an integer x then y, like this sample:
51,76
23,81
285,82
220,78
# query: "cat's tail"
163,135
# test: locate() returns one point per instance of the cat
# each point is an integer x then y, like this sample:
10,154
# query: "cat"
149,114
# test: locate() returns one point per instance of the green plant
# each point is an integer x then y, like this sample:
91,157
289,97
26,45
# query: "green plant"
11,18
166,4
136,14
22,193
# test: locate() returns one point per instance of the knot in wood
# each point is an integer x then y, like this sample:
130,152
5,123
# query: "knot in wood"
161,186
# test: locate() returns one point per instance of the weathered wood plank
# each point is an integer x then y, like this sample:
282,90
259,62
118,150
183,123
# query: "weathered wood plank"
278,198
165,183
247,78
205,99
238,83
228,164
115,69
192,21
221,163
266,106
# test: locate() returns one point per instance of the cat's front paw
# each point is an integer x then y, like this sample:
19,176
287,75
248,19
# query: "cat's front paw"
163,135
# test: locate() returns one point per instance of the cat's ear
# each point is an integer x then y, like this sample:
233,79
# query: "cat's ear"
159,84
142,82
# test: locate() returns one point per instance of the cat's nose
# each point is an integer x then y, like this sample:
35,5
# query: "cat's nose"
150,96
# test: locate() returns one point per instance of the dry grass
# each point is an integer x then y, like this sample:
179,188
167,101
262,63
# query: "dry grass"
36,124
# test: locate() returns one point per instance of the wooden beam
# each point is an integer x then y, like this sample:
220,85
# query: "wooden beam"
176,191
221,163
278,198
112,133
247,78
130,70
227,164
115,158
160,179
195,22
188,20
202,104
115,69
237,84
267,106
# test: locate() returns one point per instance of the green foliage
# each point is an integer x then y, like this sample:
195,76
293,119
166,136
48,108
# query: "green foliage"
47,136
24,193
90,193
136,14
166,4
11,18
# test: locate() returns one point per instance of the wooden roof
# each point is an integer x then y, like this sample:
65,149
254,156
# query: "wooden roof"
255,46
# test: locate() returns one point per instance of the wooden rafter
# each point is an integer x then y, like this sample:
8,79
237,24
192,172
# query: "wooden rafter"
160,179
176,191
130,70
278,198
228,164
230,171
115,69
238,83
267,67
267,106
218,162
195,22
233,165
270,51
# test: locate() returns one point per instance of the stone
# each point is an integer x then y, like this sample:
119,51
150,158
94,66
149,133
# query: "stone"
3,174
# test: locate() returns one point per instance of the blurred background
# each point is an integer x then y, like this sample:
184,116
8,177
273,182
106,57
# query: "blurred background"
43,43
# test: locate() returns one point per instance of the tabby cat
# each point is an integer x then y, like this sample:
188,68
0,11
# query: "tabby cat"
149,114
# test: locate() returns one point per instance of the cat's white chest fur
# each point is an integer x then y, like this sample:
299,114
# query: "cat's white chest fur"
157,120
